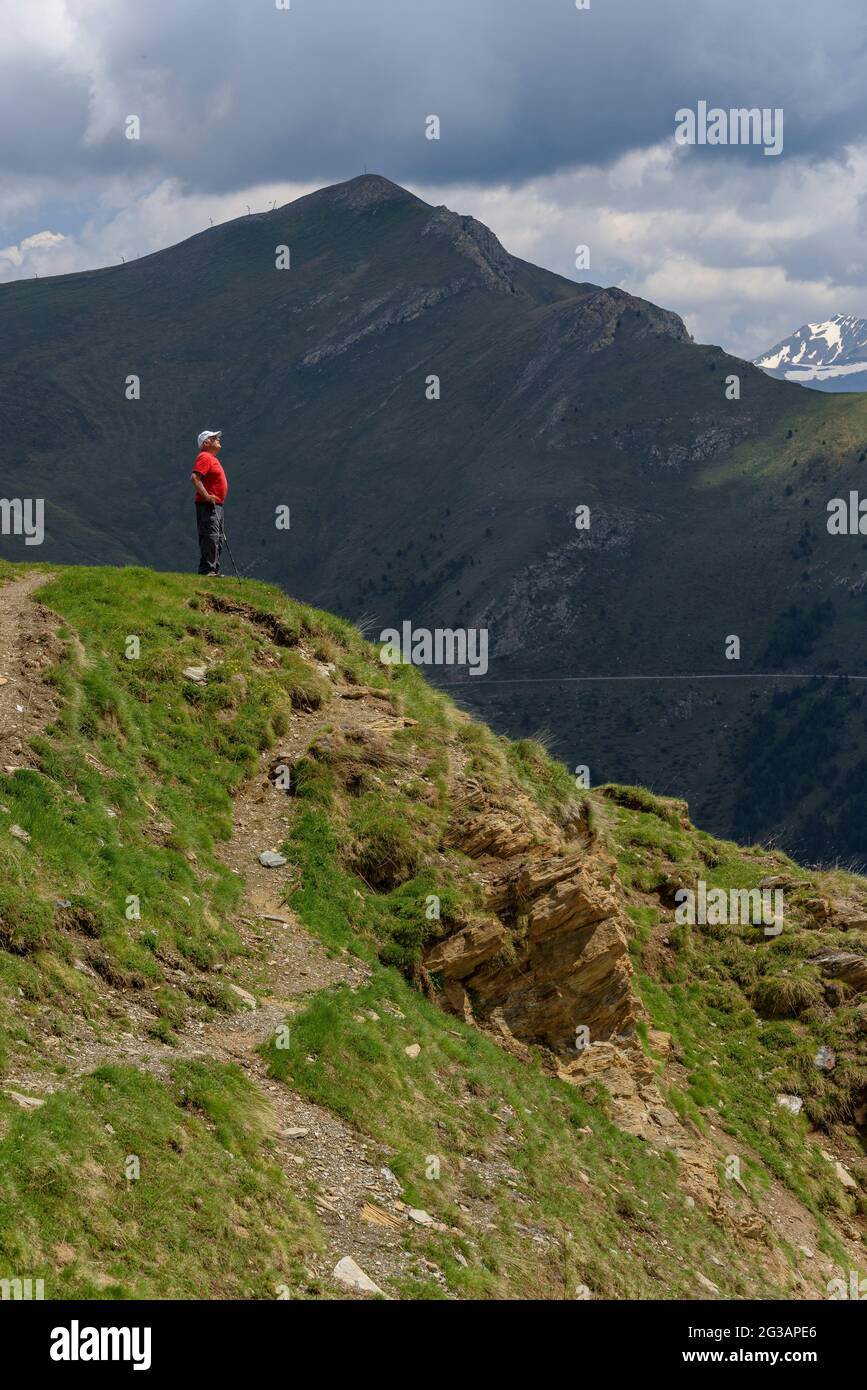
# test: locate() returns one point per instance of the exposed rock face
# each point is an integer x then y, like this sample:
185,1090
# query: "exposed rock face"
849,914
459,955
546,959
477,243
378,316
552,956
549,589
590,324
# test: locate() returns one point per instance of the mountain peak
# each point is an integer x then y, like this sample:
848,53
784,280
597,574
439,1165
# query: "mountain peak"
470,238
363,191
829,356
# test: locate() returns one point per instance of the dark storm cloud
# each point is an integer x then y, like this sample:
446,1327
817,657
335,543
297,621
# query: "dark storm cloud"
232,92
43,112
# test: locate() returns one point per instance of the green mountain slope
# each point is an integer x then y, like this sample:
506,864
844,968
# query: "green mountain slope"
219,1079
708,515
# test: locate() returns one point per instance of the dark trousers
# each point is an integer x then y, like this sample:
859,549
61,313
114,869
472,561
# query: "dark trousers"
209,520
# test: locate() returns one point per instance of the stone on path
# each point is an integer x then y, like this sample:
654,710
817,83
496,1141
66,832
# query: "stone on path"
352,1276
845,1176
420,1216
26,1102
244,996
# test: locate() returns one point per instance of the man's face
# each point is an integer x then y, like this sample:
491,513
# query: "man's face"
214,444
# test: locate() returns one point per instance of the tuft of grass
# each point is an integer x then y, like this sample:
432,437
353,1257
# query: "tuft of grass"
786,995
385,852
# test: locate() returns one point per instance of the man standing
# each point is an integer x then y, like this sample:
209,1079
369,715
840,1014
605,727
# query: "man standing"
209,480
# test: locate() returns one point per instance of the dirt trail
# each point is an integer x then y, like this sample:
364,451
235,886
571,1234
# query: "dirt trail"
282,966
27,645
340,1170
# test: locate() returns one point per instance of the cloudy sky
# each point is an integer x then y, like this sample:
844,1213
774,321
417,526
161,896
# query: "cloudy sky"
557,129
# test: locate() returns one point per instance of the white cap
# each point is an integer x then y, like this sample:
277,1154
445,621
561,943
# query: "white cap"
206,435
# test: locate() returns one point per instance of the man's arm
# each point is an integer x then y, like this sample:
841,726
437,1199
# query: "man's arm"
196,480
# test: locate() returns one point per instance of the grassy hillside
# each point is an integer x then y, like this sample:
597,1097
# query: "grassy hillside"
708,515
126,1027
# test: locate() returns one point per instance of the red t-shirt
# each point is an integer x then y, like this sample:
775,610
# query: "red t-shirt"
209,468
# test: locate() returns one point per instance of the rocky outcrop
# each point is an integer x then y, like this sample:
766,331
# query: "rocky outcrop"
846,966
489,260
849,914
547,962
548,590
551,957
378,316
459,955
591,323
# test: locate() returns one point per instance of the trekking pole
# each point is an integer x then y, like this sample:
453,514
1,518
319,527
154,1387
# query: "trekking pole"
229,548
